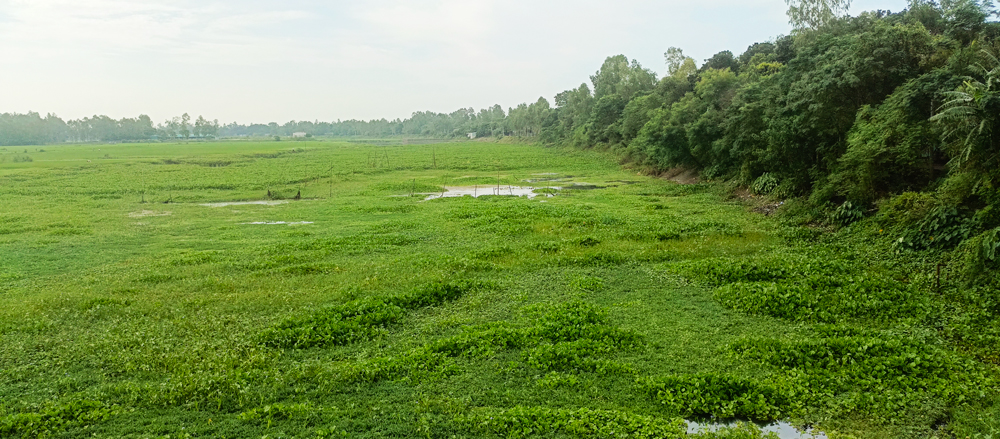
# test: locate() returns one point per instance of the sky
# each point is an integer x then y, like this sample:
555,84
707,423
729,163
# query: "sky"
262,61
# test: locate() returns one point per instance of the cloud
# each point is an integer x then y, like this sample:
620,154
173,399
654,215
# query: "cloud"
451,22
109,29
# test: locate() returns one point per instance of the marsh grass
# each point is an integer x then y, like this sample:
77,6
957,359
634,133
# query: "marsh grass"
609,312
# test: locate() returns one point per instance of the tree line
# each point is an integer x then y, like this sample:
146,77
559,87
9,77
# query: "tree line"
33,129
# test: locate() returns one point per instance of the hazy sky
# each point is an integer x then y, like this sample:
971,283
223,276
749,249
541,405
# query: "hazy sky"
260,61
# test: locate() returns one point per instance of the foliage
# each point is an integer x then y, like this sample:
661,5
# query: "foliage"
56,418
943,227
971,117
847,213
815,13
872,371
425,312
359,320
765,184
893,148
335,325
719,396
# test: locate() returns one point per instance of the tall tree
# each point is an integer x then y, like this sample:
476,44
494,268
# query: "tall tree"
813,14
678,65
185,126
620,77
972,117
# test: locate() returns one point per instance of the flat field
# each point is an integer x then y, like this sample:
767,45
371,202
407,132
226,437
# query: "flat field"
310,289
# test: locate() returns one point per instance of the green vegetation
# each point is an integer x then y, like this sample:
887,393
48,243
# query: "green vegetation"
889,114
142,296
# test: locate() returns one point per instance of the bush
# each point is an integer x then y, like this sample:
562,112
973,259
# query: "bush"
944,227
56,418
820,298
979,257
905,209
719,396
847,213
764,185
336,325
359,320
877,373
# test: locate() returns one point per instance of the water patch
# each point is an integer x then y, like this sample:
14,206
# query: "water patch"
478,191
279,223
243,203
784,430
145,213
583,186
546,177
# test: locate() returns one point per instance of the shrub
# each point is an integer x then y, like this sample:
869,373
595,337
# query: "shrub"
56,418
821,298
905,209
943,227
579,320
572,356
869,372
720,396
359,320
764,185
437,294
336,325
847,213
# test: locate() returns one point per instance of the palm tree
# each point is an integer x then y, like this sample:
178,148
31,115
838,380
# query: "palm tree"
972,116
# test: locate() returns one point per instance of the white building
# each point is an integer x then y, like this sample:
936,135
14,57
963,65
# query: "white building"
298,135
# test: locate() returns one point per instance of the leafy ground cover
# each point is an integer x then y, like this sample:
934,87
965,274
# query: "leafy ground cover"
134,302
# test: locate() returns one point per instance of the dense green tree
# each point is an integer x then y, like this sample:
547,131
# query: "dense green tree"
813,14
679,65
618,76
893,147
30,129
637,112
972,118
720,61
965,19
574,109
605,119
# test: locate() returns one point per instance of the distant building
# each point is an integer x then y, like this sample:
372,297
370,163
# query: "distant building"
471,135
298,135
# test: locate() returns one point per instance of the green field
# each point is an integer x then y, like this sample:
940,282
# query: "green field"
615,308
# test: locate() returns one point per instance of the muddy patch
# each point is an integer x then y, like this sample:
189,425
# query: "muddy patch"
244,203
682,176
784,430
769,209
479,191
148,213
